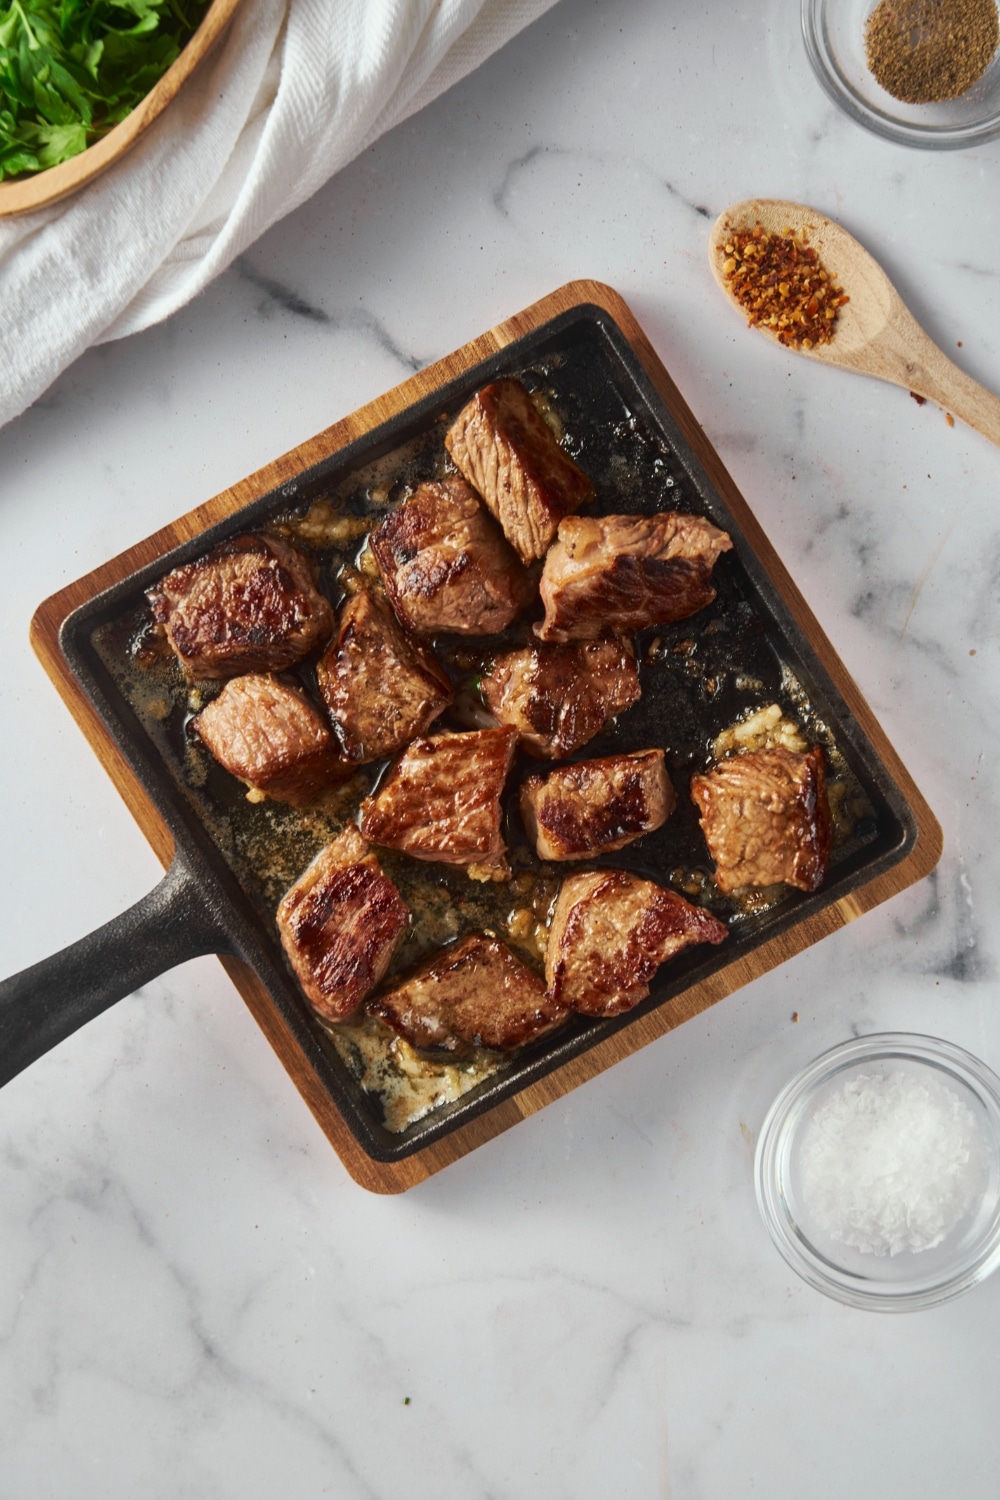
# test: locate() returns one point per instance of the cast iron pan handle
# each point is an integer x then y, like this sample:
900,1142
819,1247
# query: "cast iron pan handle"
45,1004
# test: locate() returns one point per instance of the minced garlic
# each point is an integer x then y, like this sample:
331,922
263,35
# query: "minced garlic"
763,730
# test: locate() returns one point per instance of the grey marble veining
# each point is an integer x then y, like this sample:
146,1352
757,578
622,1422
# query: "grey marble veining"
195,1300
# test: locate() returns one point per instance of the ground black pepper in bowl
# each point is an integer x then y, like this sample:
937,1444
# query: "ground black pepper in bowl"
926,74
925,51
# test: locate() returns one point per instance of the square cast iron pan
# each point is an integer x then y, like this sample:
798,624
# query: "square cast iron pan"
640,443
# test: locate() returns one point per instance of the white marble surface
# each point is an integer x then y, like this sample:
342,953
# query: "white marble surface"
195,1299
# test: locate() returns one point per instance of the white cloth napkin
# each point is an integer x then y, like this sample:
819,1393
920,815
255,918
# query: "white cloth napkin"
295,90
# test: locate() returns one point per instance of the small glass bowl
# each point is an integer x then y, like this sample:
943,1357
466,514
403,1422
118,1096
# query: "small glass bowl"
834,33
911,1279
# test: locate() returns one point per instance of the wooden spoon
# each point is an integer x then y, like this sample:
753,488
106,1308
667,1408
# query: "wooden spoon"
875,333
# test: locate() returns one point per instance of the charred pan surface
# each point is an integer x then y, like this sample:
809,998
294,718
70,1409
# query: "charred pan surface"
558,697
340,924
272,737
441,800
766,818
611,931
381,687
597,806
623,573
250,605
446,565
474,993
506,452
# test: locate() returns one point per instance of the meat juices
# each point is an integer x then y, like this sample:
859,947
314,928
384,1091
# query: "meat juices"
445,563
766,818
623,573
250,605
381,687
559,697
504,449
272,737
610,933
597,806
340,924
441,800
474,993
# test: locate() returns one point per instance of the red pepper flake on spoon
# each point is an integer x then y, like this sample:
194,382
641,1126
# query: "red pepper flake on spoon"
874,335
781,283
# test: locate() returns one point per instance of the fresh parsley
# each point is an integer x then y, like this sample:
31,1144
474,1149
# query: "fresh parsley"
70,70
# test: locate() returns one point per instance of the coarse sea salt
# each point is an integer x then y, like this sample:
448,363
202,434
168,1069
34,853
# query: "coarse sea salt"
891,1162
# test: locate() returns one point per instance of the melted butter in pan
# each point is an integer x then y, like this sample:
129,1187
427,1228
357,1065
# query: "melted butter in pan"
407,1083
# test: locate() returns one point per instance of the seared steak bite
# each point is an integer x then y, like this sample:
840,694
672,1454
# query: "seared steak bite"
559,697
381,687
610,933
597,806
474,993
441,800
626,572
340,924
270,736
446,565
250,605
505,450
766,818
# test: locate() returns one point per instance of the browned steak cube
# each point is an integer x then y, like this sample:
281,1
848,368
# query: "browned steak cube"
597,806
559,697
340,924
446,565
610,933
766,818
474,993
381,687
270,736
250,605
505,450
623,573
441,800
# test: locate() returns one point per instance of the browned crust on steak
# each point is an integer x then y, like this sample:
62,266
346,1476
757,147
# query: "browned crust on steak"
766,818
381,687
558,697
506,452
340,924
441,800
446,565
610,933
624,573
269,735
475,993
249,605
597,806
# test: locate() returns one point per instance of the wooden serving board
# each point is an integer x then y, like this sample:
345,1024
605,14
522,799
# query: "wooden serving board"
397,1176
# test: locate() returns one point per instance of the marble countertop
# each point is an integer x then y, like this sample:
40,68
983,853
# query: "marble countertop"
195,1298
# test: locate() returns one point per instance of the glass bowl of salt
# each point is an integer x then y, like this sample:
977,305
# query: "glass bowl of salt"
878,1172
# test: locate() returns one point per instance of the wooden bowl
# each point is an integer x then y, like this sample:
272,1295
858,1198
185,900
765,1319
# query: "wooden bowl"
41,188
